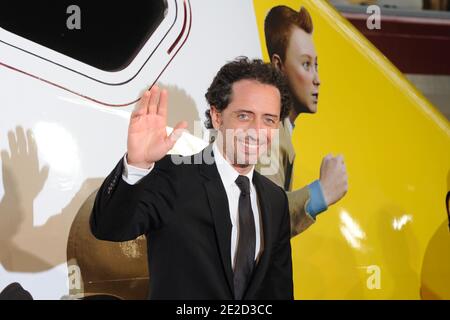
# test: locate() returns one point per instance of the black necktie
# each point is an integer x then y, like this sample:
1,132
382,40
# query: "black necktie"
245,253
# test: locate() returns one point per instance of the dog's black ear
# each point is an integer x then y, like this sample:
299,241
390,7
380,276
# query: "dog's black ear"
14,291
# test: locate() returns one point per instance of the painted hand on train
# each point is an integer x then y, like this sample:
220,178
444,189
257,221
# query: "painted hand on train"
333,178
22,165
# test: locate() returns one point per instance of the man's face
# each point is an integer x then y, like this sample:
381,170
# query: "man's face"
300,68
246,126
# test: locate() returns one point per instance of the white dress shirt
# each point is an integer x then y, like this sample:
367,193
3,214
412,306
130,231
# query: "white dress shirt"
287,122
228,175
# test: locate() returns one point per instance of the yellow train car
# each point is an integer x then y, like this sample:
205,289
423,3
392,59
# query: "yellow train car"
67,95
388,238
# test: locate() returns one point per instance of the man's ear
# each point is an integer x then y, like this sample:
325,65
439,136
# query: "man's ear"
216,118
276,62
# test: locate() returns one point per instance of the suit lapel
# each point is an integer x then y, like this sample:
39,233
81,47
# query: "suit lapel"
220,211
287,147
286,140
266,212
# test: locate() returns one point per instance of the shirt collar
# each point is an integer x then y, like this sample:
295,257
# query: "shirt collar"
226,171
289,125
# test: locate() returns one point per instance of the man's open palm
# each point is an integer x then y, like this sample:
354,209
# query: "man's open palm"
148,141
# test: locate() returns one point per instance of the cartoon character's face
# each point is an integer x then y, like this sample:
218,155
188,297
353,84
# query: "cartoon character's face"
301,68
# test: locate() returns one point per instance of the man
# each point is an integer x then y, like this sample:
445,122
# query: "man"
216,229
291,49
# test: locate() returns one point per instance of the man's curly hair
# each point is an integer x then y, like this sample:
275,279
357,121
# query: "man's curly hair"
243,68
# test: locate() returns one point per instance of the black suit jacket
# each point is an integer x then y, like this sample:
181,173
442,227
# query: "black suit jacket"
183,211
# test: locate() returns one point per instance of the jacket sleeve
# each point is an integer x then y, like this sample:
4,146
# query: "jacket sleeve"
300,219
123,212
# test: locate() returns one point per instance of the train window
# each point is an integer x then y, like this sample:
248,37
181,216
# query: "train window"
106,34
